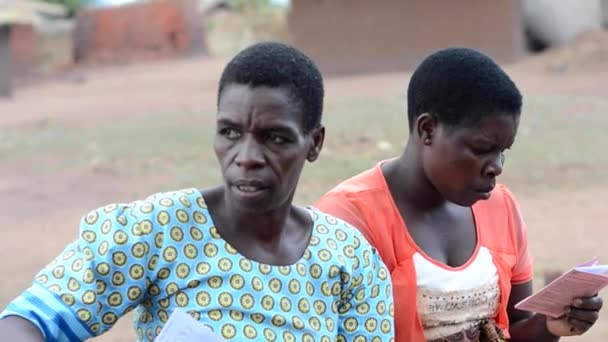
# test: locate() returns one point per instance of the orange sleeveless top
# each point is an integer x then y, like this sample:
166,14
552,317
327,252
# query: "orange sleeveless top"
365,202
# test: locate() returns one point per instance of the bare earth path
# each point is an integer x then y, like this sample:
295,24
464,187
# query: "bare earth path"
40,210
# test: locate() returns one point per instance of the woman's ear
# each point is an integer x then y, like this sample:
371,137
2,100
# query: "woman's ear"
426,128
318,136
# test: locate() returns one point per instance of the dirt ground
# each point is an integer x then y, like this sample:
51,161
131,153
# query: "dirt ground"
39,209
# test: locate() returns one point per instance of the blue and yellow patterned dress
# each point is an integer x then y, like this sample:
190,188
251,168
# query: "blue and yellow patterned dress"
164,253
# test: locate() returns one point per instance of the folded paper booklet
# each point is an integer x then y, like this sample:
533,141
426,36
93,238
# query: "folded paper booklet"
181,327
584,280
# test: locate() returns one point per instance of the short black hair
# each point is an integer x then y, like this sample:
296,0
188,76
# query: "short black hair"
274,64
460,86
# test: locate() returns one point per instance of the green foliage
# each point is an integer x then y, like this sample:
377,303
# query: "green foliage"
250,5
71,5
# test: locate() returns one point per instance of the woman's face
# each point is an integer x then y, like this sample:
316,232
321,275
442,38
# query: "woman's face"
462,163
261,146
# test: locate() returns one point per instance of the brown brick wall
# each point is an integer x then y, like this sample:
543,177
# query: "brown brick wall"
23,48
147,30
352,36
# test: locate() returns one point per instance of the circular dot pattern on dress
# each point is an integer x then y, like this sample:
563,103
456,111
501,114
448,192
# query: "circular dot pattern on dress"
165,253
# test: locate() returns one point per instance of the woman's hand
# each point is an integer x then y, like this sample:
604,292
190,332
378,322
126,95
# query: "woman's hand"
582,314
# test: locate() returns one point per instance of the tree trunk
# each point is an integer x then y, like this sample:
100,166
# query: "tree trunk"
6,89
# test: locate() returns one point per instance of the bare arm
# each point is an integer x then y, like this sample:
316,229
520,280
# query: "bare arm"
14,328
526,326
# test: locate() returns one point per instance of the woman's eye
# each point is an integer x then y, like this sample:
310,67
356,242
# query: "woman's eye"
230,133
277,139
480,150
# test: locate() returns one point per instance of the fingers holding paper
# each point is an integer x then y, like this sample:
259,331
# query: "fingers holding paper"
594,304
585,311
581,316
565,301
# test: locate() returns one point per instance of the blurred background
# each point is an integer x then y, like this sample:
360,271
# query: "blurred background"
111,100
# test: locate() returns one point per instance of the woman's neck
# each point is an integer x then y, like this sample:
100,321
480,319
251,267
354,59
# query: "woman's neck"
265,227
276,237
408,183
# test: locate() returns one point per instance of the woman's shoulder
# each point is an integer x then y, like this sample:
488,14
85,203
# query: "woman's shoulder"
188,199
501,218
501,199
504,191
178,199
340,233
364,184
147,216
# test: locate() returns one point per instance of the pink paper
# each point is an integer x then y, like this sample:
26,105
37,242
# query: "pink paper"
554,299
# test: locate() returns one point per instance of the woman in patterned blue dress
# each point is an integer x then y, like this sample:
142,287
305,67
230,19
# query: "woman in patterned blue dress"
239,258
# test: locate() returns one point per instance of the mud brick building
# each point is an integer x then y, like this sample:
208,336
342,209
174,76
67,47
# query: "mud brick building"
354,36
142,30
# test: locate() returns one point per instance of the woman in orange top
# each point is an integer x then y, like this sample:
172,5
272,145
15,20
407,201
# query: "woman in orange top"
453,239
